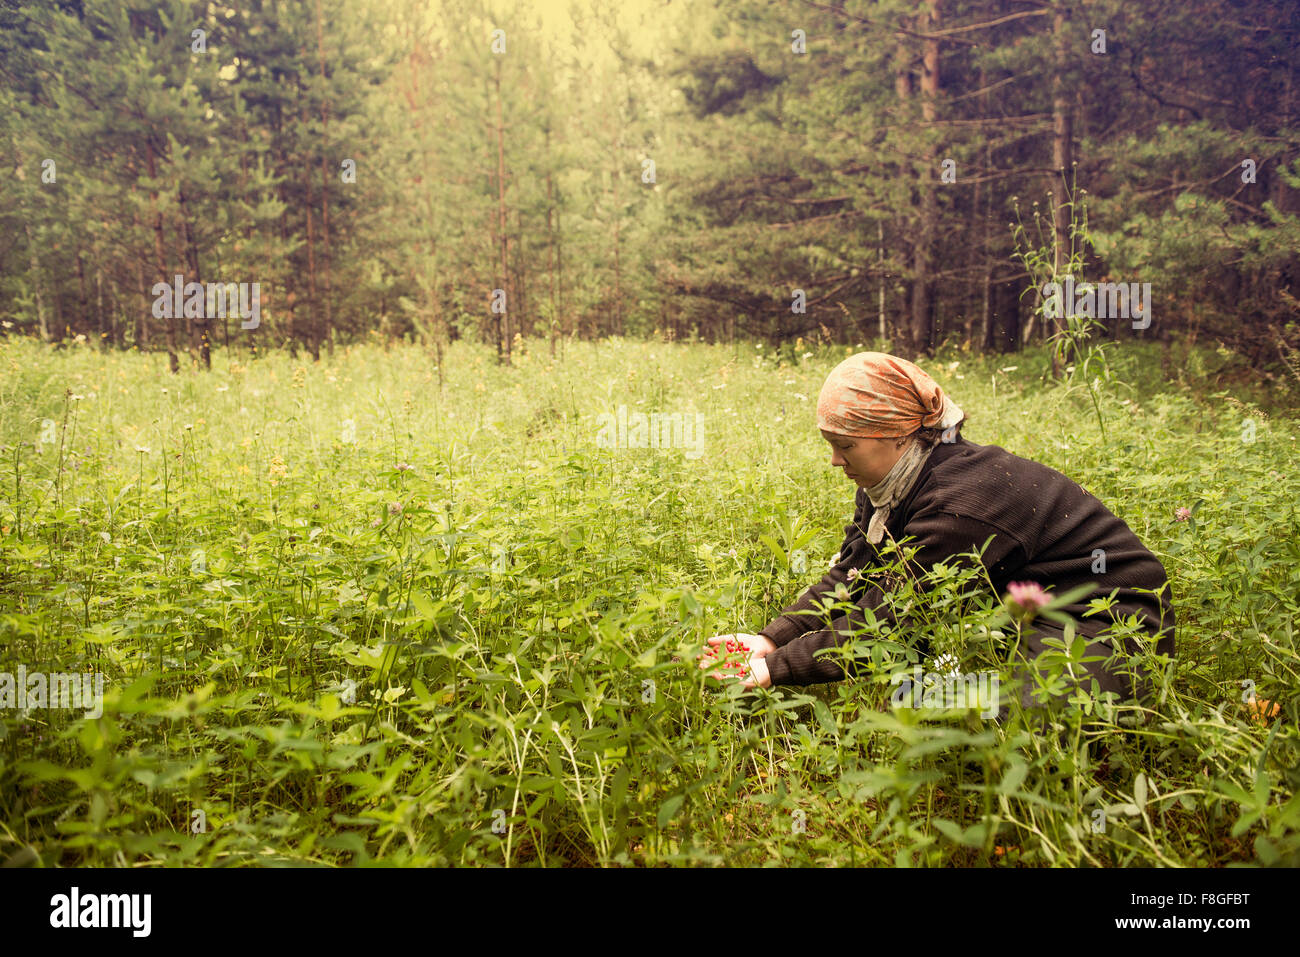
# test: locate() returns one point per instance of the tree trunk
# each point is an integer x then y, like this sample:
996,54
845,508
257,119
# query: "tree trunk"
1006,313
34,261
116,314
903,87
550,245
880,269
326,252
142,324
290,285
1062,163
160,257
83,295
200,329
104,342
503,318
990,266
313,329
559,282
57,302
923,287
521,276
618,266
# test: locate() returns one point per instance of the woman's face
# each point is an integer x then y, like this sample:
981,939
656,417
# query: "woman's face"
865,461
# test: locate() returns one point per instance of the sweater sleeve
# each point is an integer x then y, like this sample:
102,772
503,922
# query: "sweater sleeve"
938,537
801,617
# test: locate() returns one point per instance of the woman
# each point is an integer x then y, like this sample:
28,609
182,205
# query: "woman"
896,435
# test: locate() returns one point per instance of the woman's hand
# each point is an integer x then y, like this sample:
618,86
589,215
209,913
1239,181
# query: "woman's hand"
759,676
752,673
758,646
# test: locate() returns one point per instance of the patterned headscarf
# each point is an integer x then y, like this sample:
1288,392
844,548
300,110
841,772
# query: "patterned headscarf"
873,395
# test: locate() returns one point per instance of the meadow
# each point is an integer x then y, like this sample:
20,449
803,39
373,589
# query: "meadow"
371,611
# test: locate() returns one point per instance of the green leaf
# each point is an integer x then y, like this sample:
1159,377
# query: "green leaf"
424,606
670,808
825,718
1013,778
775,548
1266,851
949,829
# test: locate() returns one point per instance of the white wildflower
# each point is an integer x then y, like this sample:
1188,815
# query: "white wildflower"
945,664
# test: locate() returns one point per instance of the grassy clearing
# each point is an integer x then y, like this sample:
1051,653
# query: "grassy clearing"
242,554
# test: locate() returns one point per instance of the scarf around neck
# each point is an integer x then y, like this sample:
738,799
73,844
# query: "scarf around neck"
893,488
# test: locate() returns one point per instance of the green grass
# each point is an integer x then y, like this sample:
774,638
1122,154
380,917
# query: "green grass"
231,549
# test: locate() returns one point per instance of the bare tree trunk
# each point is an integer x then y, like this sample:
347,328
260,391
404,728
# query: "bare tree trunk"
986,310
979,248
116,316
523,323
1281,192
313,291
1062,162
1002,334
83,296
550,245
200,329
503,318
187,332
924,287
986,238
1009,310
99,309
290,274
34,262
618,266
160,256
903,87
142,291
327,254
57,302
559,281
880,268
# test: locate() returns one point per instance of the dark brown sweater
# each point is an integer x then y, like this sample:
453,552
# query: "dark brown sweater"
1044,528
